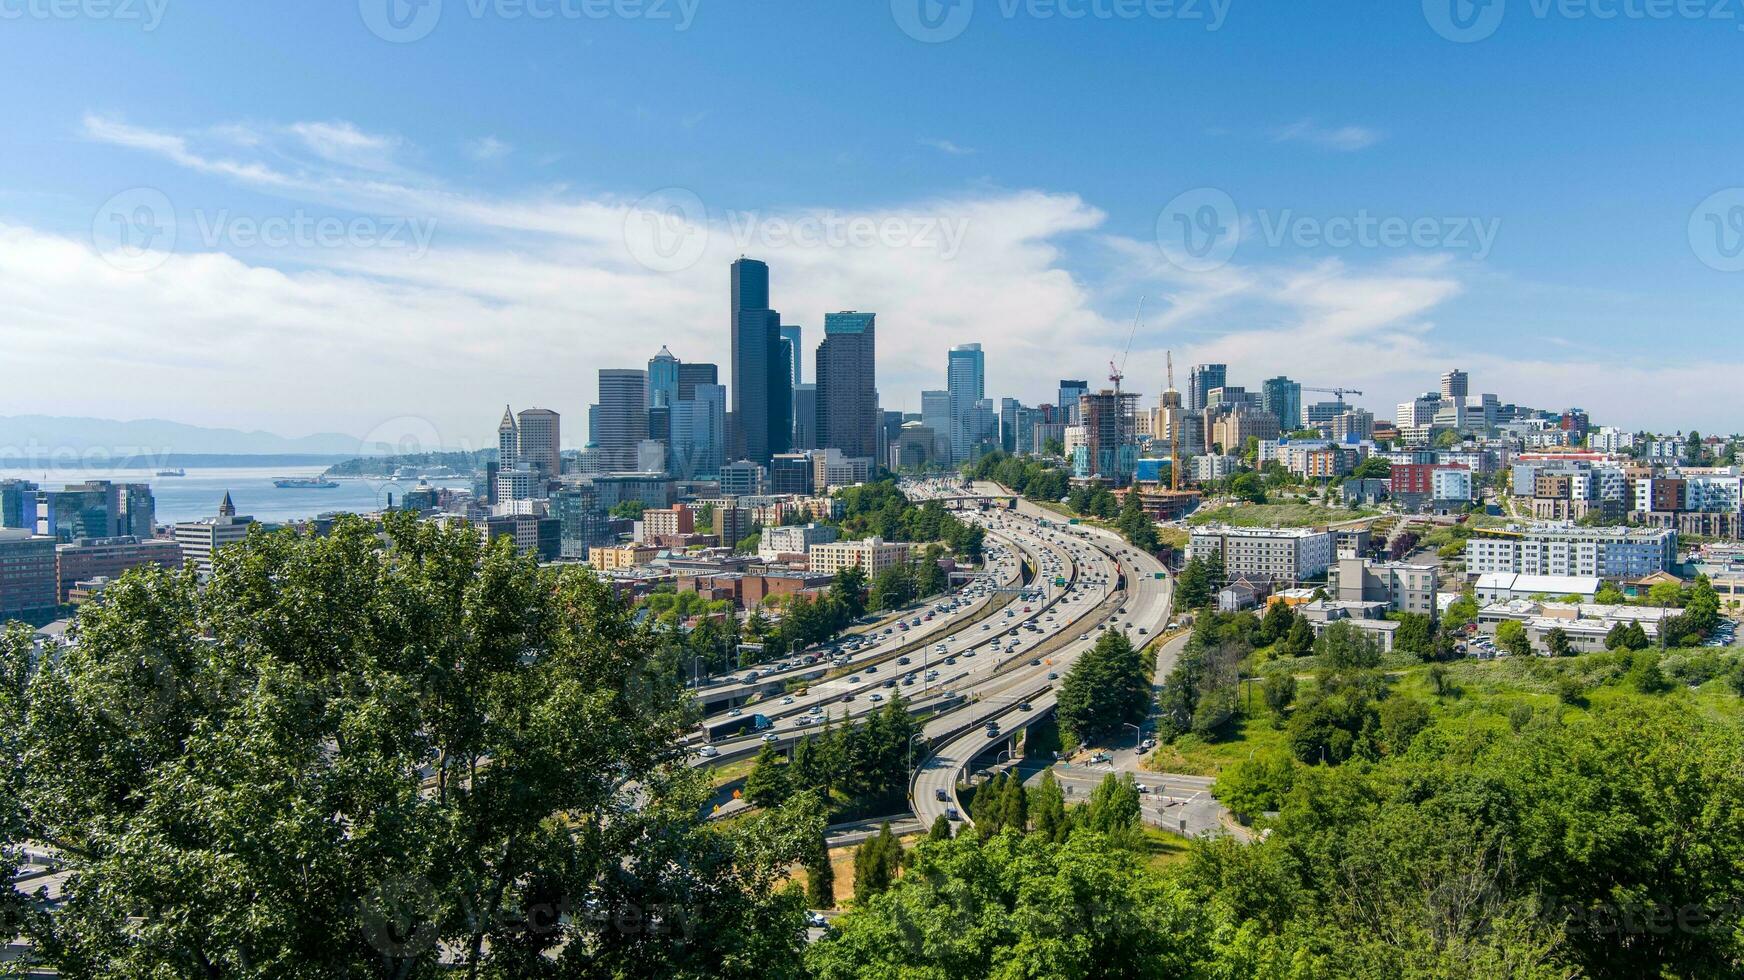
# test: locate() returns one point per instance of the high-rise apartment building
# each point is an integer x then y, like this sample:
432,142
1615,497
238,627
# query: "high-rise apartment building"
847,384
790,335
1070,392
762,397
1201,379
623,416
1283,398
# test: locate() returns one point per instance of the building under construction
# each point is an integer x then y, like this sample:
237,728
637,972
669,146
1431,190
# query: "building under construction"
1108,451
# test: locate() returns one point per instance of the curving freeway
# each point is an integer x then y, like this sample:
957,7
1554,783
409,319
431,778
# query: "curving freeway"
1145,599
992,654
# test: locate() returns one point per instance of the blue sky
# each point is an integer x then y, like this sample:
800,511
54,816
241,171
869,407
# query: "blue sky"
1560,174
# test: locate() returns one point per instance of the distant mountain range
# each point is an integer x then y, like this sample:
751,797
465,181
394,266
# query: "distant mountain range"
40,437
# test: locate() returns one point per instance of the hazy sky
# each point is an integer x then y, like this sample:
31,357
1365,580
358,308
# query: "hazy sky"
372,216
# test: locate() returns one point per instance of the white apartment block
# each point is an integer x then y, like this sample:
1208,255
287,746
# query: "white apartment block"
872,555
1450,484
1210,467
1289,554
1610,439
1609,553
1403,587
795,540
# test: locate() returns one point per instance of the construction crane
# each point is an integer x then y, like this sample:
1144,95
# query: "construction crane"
1118,374
1336,393
1174,424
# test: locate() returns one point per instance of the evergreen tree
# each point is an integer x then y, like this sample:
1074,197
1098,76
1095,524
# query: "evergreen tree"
1047,807
941,828
1014,808
767,785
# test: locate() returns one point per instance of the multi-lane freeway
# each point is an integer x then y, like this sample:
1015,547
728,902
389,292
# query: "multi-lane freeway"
1140,606
981,669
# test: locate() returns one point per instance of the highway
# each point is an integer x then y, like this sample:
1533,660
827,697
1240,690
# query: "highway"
968,663
1146,597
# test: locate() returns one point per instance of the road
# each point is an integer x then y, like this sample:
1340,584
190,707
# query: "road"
1145,599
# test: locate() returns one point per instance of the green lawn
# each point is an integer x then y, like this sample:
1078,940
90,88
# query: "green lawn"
1277,515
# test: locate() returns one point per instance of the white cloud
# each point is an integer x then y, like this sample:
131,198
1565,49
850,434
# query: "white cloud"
523,298
1342,138
947,147
487,148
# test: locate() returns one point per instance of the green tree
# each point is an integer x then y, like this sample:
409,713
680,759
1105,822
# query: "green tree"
1114,805
941,829
1556,642
1415,636
1343,646
1279,690
1021,906
849,589
1276,623
1047,809
1299,641
1511,636
1256,785
767,784
1109,686
347,755
876,863
1195,585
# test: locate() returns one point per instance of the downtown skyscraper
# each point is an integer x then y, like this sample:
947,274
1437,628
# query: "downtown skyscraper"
762,395
966,380
847,384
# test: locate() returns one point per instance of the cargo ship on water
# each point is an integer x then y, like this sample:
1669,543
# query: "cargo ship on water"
304,483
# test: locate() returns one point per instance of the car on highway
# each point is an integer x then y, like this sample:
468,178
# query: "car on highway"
871,668
708,751
952,814
992,730
787,700
734,712
942,796
1023,706
1053,676
1035,663
772,737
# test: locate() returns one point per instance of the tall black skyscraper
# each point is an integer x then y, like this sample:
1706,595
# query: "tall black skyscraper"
762,396
847,385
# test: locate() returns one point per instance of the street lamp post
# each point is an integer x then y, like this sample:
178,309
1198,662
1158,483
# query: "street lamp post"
911,739
1137,734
